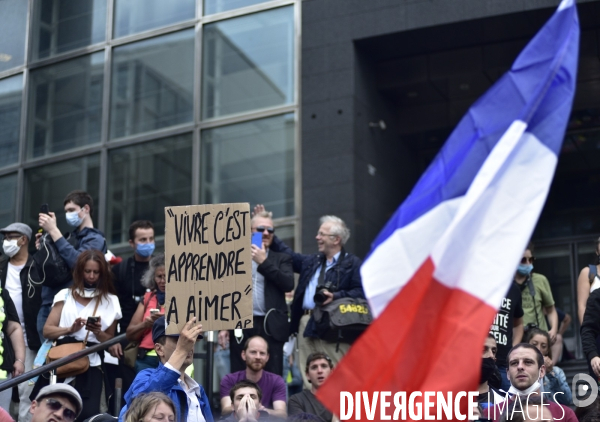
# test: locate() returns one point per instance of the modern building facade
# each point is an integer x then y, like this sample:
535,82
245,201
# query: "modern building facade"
310,107
146,104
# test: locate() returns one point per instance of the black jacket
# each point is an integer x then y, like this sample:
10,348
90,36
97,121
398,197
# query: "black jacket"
590,328
279,279
346,276
31,305
128,285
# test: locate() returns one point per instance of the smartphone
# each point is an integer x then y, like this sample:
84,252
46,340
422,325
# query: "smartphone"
93,319
154,311
44,209
257,239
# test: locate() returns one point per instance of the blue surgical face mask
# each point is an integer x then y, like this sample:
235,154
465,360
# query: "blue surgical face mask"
144,249
73,219
525,269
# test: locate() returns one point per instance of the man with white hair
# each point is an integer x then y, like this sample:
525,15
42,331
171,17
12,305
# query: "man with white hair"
328,275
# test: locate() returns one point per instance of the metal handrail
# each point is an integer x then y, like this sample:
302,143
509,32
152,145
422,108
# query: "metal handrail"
60,362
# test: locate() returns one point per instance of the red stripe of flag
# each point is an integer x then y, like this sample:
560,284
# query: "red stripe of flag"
416,344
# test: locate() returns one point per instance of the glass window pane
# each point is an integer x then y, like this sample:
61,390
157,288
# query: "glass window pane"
143,180
8,193
133,16
152,84
65,25
216,6
248,63
11,93
13,31
51,183
251,162
65,105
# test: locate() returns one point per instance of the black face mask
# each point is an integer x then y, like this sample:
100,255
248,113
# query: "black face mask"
488,368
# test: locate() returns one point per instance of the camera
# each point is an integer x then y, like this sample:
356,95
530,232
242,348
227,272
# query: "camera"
319,296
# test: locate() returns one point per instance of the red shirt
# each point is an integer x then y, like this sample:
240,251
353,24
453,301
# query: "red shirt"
4,416
147,342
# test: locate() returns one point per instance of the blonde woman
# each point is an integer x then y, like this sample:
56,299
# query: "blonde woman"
151,407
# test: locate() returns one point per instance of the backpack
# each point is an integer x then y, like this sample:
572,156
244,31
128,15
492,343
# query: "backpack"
51,268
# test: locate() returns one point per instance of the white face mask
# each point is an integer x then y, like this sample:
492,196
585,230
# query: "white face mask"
533,388
88,293
10,247
73,219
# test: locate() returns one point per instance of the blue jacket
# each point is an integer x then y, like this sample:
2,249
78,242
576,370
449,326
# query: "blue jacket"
164,380
346,276
88,238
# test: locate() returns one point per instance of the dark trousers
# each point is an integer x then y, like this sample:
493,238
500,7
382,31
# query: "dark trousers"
275,363
89,386
113,372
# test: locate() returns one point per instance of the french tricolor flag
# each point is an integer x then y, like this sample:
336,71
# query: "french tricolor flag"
437,272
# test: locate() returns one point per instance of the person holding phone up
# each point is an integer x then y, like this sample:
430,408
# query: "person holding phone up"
89,305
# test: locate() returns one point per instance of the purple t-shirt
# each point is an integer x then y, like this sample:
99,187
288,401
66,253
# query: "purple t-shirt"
272,386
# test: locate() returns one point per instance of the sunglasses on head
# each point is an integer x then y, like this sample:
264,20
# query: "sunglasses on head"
526,260
262,229
55,406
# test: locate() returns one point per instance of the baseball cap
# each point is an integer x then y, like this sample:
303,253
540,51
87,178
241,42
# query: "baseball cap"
61,388
17,228
159,329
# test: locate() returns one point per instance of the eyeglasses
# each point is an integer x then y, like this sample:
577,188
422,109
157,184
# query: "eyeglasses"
321,234
55,406
161,277
526,260
12,236
262,229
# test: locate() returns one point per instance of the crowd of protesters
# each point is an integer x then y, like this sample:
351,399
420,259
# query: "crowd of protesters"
269,372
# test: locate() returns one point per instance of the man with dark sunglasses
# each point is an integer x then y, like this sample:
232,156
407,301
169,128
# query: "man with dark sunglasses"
57,402
536,295
272,277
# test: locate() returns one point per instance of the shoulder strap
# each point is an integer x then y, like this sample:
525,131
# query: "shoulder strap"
593,273
93,314
123,270
148,301
529,282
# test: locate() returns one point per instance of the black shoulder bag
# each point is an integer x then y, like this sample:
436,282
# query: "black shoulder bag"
344,319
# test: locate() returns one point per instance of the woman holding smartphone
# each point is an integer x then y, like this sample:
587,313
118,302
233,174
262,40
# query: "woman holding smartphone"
89,308
149,310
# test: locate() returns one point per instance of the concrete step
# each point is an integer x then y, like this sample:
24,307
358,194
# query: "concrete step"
572,368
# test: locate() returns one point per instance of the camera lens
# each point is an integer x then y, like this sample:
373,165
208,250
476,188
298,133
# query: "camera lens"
319,297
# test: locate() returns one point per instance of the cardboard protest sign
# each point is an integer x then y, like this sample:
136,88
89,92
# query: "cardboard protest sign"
208,264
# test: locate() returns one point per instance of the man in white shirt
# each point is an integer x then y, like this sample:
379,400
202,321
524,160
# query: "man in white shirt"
26,294
176,353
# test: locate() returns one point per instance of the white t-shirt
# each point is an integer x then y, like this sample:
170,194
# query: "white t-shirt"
192,391
595,284
109,310
13,285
